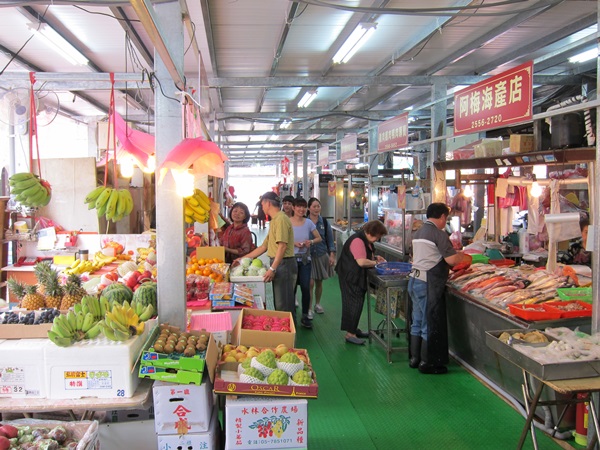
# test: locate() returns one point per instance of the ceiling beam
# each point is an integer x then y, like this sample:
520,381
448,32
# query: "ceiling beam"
146,14
127,26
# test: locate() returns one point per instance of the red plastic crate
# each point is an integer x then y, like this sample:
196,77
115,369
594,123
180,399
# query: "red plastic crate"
535,312
586,310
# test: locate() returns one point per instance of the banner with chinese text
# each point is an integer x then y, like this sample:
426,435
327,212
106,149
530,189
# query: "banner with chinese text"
323,156
498,101
393,134
349,147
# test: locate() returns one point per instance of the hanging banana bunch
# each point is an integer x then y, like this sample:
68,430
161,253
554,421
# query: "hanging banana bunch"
196,207
114,204
30,190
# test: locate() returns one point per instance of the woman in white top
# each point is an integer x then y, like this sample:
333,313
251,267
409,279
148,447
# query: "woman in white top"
305,235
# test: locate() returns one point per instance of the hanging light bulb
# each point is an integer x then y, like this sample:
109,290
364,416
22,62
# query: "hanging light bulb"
151,165
468,191
184,182
536,189
352,193
126,167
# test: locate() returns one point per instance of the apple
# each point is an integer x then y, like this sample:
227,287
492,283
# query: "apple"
4,443
10,431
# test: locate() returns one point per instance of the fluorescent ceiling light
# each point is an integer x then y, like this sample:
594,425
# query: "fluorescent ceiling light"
307,99
359,36
59,44
585,56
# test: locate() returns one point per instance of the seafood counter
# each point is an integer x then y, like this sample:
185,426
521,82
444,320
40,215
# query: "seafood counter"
484,297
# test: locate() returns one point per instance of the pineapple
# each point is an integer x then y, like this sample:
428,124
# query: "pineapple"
54,291
28,295
73,292
42,271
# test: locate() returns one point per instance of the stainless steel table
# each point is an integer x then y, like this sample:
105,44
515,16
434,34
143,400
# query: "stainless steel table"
387,327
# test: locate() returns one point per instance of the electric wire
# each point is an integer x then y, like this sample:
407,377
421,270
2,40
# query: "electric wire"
105,14
437,12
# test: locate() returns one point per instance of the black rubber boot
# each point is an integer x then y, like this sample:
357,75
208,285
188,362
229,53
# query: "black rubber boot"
425,367
415,351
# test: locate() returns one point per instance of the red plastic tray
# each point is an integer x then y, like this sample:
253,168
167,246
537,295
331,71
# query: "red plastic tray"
502,262
535,312
586,310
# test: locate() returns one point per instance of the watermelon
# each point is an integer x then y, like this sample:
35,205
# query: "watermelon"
117,292
146,294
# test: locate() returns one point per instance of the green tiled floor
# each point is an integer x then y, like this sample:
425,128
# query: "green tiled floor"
366,403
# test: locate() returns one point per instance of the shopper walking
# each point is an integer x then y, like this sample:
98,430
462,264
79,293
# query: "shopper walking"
433,255
322,255
260,215
305,236
287,205
237,238
279,245
357,255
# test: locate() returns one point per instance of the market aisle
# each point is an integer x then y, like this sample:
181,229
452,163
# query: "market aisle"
366,403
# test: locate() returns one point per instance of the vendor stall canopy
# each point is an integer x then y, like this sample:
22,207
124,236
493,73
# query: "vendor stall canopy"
249,63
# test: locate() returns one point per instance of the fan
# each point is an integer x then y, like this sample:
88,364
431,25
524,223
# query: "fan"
14,107
15,104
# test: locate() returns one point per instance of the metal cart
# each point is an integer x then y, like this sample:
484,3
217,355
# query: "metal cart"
387,327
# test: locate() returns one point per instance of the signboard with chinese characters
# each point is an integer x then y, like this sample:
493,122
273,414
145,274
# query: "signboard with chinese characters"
498,101
349,146
323,156
393,134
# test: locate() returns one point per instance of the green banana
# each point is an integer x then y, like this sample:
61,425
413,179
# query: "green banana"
117,217
72,319
37,195
94,194
21,176
79,320
147,313
94,331
122,203
111,207
88,322
24,184
104,306
59,328
129,202
63,321
59,340
102,209
139,308
47,199
114,335
78,308
103,197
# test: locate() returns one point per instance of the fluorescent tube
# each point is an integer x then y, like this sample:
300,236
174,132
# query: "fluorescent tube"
359,36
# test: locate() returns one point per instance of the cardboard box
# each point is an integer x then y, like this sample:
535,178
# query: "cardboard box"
130,415
521,143
210,253
193,441
227,381
17,331
172,365
95,368
489,148
182,408
257,284
241,336
245,418
22,370
219,325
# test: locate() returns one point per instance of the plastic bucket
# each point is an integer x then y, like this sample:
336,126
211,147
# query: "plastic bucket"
20,227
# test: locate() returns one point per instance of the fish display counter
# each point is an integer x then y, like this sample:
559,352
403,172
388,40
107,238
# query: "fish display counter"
479,301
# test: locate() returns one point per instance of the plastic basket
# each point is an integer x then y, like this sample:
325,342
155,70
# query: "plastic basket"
393,268
585,309
479,258
534,312
581,294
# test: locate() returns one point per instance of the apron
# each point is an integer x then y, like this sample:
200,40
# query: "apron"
437,326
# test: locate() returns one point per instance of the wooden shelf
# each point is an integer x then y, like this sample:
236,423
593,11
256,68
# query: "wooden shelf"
548,157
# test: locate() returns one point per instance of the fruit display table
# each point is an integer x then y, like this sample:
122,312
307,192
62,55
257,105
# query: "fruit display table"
387,327
141,399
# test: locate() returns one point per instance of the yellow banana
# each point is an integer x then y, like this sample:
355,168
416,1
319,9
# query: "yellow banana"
202,198
192,200
199,209
189,219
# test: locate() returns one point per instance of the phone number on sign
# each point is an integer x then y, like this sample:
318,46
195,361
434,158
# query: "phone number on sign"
487,121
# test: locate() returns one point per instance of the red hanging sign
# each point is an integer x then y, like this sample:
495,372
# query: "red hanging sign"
393,134
498,101
285,166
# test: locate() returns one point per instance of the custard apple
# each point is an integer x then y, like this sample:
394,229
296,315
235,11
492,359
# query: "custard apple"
289,357
301,377
278,377
246,363
252,372
267,359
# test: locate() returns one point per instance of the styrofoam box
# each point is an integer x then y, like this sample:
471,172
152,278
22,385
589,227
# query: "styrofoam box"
245,416
193,441
22,369
255,283
182,408
137,435
95,368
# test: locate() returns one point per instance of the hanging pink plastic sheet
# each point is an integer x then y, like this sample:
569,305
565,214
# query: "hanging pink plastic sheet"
137,143
206,157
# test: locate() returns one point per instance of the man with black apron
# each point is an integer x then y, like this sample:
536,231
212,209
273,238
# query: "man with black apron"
433,255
